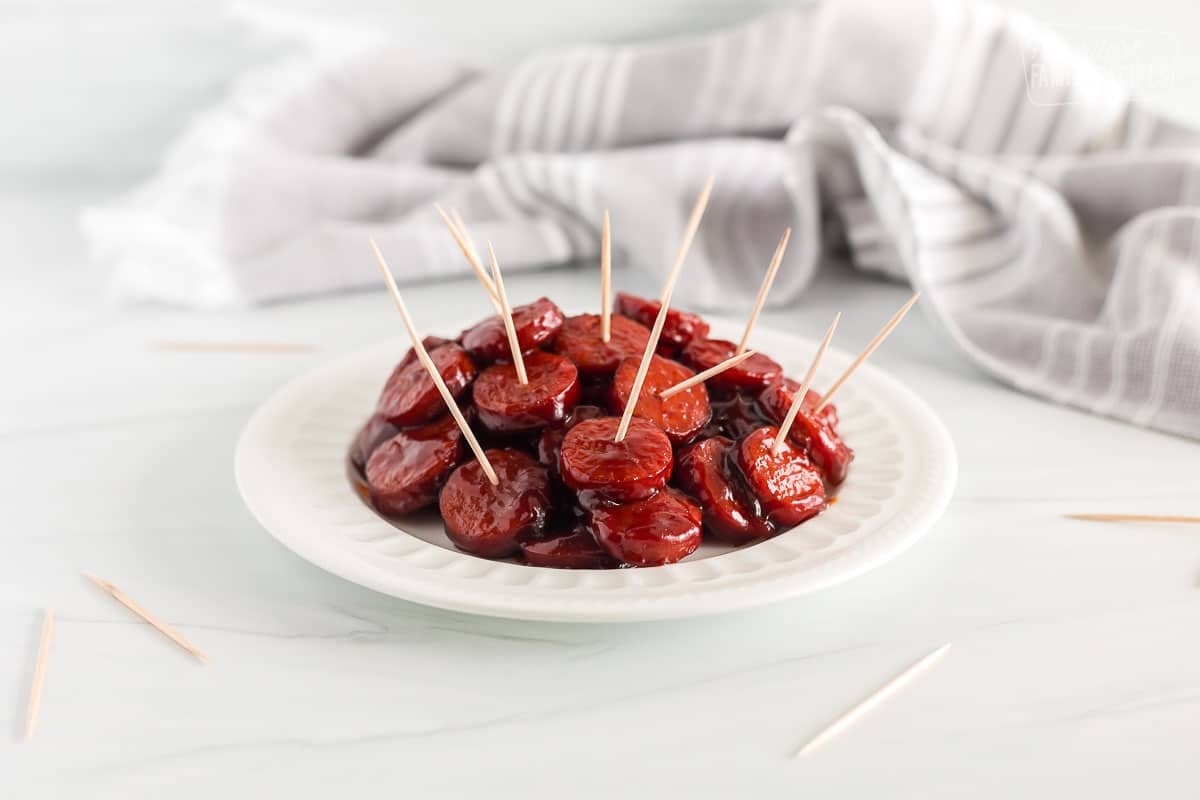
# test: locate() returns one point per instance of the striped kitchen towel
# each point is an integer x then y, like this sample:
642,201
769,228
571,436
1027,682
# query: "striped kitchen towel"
1051,220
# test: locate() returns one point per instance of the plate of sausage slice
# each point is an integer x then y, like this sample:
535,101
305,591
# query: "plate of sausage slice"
694,509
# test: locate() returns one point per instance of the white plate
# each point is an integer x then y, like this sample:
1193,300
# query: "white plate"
291,470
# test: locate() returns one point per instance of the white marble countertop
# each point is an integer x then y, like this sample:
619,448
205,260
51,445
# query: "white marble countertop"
1075,671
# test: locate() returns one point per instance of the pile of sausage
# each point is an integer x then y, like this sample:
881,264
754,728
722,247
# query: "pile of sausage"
697,463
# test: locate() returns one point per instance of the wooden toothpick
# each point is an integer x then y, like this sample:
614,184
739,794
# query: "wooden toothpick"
468,251
462,229
768,279
664,305
506,315
427,362
605,279
870,348
875,699
701,377
798,400
1133,518
155,622
198,346
39,674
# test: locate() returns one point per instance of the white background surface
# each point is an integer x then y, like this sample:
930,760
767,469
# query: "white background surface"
1076,666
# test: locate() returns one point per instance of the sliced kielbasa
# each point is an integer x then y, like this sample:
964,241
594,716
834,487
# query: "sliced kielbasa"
404,473
787,485
550,441
776,399
825,447
632,469
681,415
536,324
377,431
579,340
708,473
679,327
430,343
410,398
575,550
504,405
657,530
492,521
751,375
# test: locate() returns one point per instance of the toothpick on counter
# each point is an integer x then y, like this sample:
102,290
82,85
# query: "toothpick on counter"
39,674
155,622
1133,518
197,346
877,698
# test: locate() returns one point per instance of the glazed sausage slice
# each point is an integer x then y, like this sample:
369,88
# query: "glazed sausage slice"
404,473
824,446
377,431
777,398
579,340
492,521
409,396
550,441
787,486
575,550
681,415
679,327
632,469
504,405
536,324
752,375
430,343
658,530
706,471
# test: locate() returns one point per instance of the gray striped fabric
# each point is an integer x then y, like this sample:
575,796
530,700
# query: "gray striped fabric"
1055,235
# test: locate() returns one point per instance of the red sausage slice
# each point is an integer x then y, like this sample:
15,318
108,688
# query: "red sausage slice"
679,327
536,324
575,550
788,487
430,344
648,533
777,398
825,447
492,521
632,469
550,441
681,415
579,340
409,396
505,406
753,374
404,472
377,431
705,471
